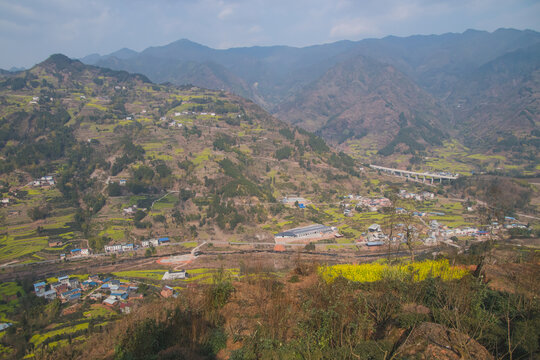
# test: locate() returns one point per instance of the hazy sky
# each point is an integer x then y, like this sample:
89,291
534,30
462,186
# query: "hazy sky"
31,30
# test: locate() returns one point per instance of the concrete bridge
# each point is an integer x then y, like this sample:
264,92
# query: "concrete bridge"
418,176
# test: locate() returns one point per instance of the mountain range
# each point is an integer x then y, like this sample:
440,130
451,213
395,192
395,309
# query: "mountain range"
469,85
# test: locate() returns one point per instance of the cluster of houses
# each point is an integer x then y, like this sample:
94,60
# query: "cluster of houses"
425,195
65,288
512,223
117,248
438,232
435,233
371,204
184,113
44,181
110,292
376,237
113,293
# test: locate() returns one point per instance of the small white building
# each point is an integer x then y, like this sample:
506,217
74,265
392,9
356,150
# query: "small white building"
113,248
127,247
173,275
110,301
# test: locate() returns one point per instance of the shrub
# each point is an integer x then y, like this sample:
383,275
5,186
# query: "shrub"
283,153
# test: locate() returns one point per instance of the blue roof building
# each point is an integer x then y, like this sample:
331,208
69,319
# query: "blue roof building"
38,286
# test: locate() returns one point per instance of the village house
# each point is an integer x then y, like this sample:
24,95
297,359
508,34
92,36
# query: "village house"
88,284
74,283
61,288
56,285
293,199
167,291
130,210
127,247
96,296
125,308
110,301
163,240
39,288
70,295
145,243
113,248
49,294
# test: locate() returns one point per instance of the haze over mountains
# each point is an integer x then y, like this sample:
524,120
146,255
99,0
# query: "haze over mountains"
476,81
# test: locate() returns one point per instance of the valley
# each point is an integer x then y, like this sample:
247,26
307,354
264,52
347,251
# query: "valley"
110,181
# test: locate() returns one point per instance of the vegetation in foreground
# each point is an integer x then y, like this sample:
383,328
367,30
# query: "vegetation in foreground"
303,316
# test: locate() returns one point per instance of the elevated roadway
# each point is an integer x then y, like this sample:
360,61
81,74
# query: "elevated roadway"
418,176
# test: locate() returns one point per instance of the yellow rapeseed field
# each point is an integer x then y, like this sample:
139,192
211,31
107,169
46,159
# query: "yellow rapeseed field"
416,271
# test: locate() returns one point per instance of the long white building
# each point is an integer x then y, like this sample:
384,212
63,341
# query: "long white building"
306,233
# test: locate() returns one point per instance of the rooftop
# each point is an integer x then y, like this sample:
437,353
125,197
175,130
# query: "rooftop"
305,229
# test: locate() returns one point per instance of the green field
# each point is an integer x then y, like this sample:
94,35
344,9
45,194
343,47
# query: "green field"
156,274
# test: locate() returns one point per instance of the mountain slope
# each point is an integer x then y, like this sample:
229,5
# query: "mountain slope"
437,62
477,86
268,74
362,96
112,140
503,93
204,74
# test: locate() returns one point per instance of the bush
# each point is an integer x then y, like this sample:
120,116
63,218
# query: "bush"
216,341
159,218
284,153
39,212
114,189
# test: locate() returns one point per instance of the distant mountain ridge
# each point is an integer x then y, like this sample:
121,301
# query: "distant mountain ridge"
459,82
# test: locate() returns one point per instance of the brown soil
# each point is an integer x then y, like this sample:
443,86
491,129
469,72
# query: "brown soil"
434,341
